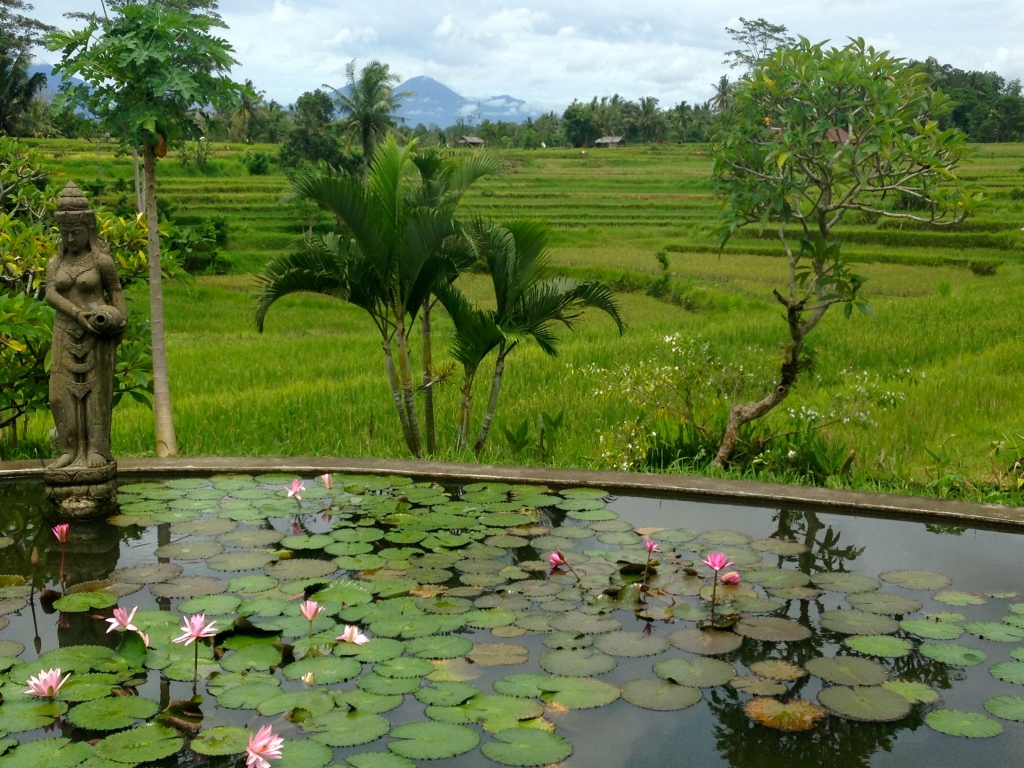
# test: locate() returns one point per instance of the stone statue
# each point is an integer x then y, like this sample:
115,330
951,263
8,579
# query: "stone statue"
83,287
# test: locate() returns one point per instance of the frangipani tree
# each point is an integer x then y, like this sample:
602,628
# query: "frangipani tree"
148,70
813,134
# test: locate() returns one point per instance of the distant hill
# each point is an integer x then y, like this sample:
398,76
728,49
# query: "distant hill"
435,103
52,81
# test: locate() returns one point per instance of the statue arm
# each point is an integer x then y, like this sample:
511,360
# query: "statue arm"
54,299
112,283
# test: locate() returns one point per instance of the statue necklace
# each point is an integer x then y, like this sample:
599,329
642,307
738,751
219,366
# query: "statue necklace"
74,266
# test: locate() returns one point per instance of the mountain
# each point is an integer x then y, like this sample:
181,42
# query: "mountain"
52,81
434,103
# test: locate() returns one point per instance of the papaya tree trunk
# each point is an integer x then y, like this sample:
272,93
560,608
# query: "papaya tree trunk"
408,394
428,380
492,402
396,391
166,442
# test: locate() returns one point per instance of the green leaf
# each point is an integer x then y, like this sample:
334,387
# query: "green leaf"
112,714
222,740
577,692
660,695
82,602
847,670
915,693
864,703
147,743
973,725
347,728
527,747
879,645
954,655
1010,671
432,740
51,753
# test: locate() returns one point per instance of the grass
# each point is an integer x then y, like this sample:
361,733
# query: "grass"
313,384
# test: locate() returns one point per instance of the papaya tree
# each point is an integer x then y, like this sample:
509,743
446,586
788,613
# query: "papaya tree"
816,133
149,69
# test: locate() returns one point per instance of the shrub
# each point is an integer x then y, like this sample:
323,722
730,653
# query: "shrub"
257,162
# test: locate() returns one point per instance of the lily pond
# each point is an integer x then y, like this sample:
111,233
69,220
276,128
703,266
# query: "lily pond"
840,641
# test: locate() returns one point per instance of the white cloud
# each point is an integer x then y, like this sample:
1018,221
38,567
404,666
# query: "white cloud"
553,52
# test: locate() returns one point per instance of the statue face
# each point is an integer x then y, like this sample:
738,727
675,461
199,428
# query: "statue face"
76,238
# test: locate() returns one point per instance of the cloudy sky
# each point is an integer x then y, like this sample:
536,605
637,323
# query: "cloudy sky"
550,53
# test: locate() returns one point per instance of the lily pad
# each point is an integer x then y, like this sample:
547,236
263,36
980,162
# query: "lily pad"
958,599
586,662
954,655
846,582
112,714
189,586
779,547
527,747
388,686
347,728
996,631
144,744
1010,671
629,644
447,694
725,538
82,602
365,701
864,703
190,549
915,693
698,673
973,725
498,654
51,753
773,629
758,686
523,684
303,753
775,669
212,605
791,716
660,695
258,656
585,624
1006,707
326,670
847,670
857,622
432,740
379,760
222,740
247,695
20,716
241,561
926,580
933,630
315,702
578,692
884,602
879,645
776,578
709,642
439,647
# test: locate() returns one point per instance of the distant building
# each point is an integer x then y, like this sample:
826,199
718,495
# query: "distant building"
611,141
471,141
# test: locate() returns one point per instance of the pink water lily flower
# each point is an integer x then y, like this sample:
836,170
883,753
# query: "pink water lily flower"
145,638
730,578
194,628
297,487
353,635
263,747
61,532
716,561
122,620
651,546
46,683
311,609
556,559
328,481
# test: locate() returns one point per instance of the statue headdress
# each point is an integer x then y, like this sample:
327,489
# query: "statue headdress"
73,207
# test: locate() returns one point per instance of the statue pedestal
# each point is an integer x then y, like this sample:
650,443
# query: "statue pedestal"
82,493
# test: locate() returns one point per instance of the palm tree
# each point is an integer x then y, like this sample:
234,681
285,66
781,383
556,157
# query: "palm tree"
393,246
17,90
528,307
722,99
368,104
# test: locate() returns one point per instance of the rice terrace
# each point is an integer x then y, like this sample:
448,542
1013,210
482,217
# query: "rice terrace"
386,428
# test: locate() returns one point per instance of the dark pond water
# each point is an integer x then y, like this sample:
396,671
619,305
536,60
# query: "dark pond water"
454,588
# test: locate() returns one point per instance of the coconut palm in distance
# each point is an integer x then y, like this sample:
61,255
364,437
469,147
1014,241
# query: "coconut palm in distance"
369,104
397,239
528,307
